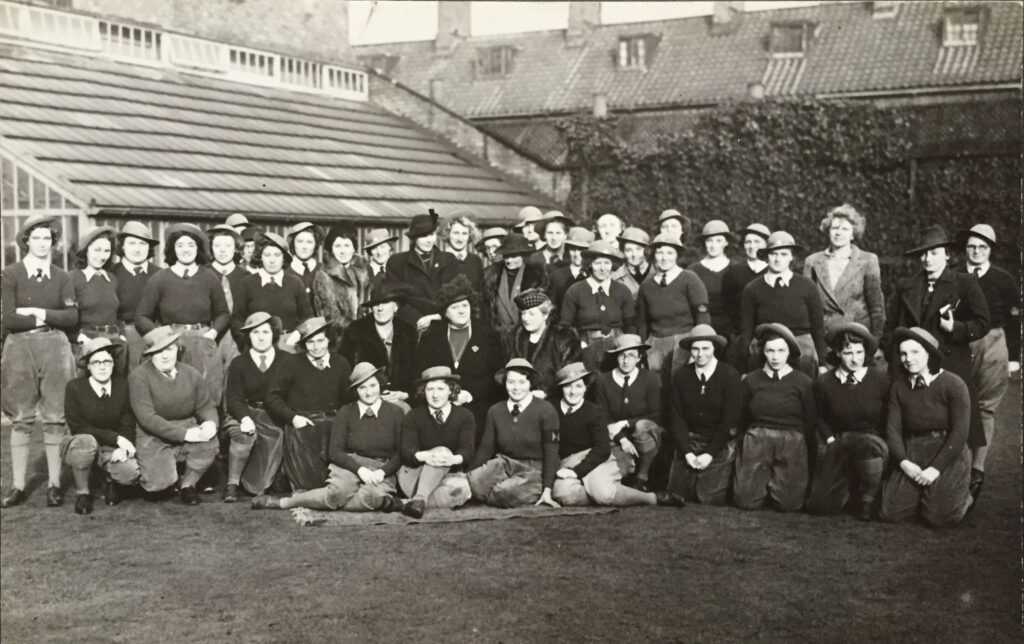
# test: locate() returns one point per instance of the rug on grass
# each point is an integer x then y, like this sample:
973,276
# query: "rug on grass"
307,517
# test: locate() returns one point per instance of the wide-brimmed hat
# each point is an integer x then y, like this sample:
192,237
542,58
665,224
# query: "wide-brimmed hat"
95,345
783,331
310,327
571,373
250,233
983,232
667,239
931,237
301,226
361,373
515,244
515,364
456,290
779,240
550,216
628,341
857,329
224,229
527,216
422,225
579,237
159,339
254,320
192,231
701,333
601,248
376,237
388,292
95,234
531,298
139,230
236,219
755,229
922,337
634,235
714,228
276,240
492,233
438,373
671,213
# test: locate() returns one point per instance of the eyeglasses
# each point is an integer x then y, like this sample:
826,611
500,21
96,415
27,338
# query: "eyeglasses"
101,363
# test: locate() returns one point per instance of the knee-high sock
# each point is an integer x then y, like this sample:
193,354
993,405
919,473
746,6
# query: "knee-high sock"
318,499
19,457
643,464
869,472
53,463
81,475
626,496
238,456
978,456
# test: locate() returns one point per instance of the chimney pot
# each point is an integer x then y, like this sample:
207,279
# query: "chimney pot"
600,106
722,11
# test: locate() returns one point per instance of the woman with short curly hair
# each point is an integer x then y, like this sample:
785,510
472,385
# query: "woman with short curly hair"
460,234
96,292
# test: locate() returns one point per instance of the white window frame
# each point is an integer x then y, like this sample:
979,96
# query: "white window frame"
959,30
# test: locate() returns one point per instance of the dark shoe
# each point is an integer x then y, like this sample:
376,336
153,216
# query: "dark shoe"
414,508
231,493
265,502
54,497
83,504
189,495
668,499
16,497
111,493
977,482
392,504
864,510
636,483
160,495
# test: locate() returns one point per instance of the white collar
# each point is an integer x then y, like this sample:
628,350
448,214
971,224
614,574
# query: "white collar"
299,266
172,374
377,268
256,356
927,379
223,269
783,372
756,265
445,412
785,277
90,272
708,371
984,269
670,275
568,410
715,264
128,266
99,389
596,286
460,255
183,271
858,375
326,359
33,264
523,404
620,378
267,278
375,407
575,270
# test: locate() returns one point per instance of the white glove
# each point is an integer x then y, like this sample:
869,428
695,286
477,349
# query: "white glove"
464,398
628,447
691,460
82,338
1014,366
424,322
197,435
298,422
210,334
703,461
566,473
545,499
247,426
927,476
830,440
910,468
365,475
292,338
537,393
119,456
126,445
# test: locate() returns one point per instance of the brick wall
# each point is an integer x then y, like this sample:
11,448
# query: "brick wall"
309,28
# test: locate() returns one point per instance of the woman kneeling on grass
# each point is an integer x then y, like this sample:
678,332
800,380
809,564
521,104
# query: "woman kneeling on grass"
437,441
927,424
515,464
364,454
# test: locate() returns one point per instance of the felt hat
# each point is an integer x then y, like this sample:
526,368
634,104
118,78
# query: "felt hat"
236,220
254,320
192,231
922,337
361,373
95,234
139,230
782,330
376,237
628,341
779,240
931,237
982,231
301,226
456,290
550,216
276,240
310,327
515,364
515,244
857,329
714,228
531,298
250,233
755,229
422,225
387,292
527,216
95,345
579,237
601,248
438,373
571,373
490,233
159,339
702,332
36,221
671,213
634,235
224,229
667,239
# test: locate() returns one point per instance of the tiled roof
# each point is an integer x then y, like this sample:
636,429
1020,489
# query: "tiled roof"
848,51
152,141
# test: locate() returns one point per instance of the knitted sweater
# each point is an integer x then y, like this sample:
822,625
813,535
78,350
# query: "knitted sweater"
1003,299
247,385
585,428
288,301
55,295
531,436
378,438
786,404
674,308
129,290
587,311
721,319
420,431
713,415
157,400
104,419
797,307
97,299
299,387
169,299
860,408
736,278
943,406
641,400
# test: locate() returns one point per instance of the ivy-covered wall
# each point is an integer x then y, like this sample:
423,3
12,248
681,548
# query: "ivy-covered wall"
786,163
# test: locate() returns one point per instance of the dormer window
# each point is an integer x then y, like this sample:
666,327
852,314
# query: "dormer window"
633,52
494,62
788,40
961,28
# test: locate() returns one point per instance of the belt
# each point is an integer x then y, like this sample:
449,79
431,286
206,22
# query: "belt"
318,415
190,327
38,329
103,328
938,433
255,405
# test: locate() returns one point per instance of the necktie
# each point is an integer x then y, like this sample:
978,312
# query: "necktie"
663,280
919,382
104,393
263,363
439,416
976,271
775,375
625,390
307,268
369,413
226,286
703,384
850,380
186,275
39,275
140,270
779,283
319,363
515,410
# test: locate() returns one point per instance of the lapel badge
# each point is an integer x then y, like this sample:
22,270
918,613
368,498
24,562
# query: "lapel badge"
475,348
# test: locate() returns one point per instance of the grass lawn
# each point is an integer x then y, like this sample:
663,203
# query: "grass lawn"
145,572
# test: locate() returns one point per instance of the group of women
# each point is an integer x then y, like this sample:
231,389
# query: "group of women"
549,364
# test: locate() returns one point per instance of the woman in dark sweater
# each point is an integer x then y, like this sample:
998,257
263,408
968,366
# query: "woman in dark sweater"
707,404
254,454
363,453
517,458
851,401
711,270
304,241
437,442
772,463
136,248
754,237
926,426
96,293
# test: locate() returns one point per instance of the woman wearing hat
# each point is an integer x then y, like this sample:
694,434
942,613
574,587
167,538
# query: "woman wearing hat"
188,297
303,396
377,245
96,291
424,268
926,427
516,460
849,280
780,419
562,278
468,347
489,243
631,398
250,235
600,308
785,298
255,442
546,345
553,229
590,469
669,304
754,238
226,256
711,270
304,242
950,306
102,425
343,282
851,400
437,442
363,453
460,233
177,418
504,281
37,311
674,223
529,217
136,247
272,289
385,341
634,244
707,405
609,227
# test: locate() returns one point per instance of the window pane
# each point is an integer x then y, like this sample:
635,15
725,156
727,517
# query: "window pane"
38,194
10,230
8,185
24,185
787,40
68,243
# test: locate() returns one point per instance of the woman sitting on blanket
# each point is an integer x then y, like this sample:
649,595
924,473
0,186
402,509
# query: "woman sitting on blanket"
437,441
363,451
515,464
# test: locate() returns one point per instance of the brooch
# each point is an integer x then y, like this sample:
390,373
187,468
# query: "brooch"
475,348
